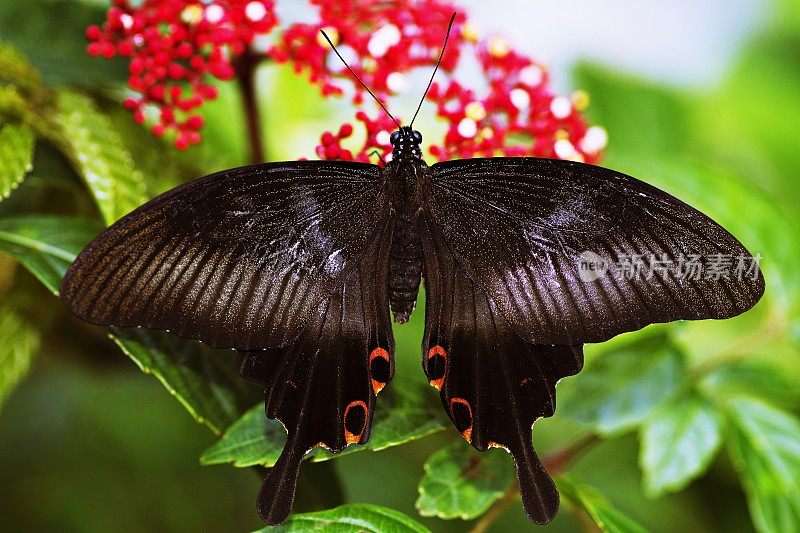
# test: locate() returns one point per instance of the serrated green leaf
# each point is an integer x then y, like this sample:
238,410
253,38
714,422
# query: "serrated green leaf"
590,500
679,440
16,156
199,377
18,344
620,388
46,245
764,444
353,518
460,483
99,156
15,69
195,374
254,440
251,440
750,377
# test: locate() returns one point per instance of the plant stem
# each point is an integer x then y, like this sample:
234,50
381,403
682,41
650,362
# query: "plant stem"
246,66
555,463
497,509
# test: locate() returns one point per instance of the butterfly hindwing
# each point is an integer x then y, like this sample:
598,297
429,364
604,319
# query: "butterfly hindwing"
238,259
519,227
323,386
493,384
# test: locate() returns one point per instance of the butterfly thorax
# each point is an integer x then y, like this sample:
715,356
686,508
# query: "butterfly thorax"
407,173
409,179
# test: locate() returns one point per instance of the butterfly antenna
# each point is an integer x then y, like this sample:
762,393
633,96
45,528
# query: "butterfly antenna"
357,78
439,62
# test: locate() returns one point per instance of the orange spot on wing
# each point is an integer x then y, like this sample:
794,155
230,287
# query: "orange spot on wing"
377,386
467,431
349,436
378,352
438,351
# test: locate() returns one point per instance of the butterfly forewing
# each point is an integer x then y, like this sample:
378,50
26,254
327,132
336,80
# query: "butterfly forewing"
238,259
522,229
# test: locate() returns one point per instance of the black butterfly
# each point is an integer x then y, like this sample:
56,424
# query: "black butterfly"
297,265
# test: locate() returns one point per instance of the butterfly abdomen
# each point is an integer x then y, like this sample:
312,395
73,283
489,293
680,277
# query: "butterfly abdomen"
405,269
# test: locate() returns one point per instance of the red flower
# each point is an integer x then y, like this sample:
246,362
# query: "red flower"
174,45
518,115
383,39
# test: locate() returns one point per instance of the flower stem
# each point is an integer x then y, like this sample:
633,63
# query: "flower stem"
497,509
555,463
246,66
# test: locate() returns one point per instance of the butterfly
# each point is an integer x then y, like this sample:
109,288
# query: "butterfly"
300,266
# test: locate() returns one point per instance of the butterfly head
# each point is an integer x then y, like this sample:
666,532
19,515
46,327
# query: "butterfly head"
406,142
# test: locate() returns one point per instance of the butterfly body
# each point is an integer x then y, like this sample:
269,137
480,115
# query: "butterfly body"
297,265
409,181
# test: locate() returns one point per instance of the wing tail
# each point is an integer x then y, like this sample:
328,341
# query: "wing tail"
276,495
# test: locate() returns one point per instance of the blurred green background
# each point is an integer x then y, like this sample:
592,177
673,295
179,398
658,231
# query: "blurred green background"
89,443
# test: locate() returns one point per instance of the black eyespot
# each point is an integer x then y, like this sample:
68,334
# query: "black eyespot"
394,137
417,136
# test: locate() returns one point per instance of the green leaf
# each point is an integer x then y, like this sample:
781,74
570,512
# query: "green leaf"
589,499
46,245
19,344
51,35
253,440
460,483
751,377
16,156
12,103
620,388
198,376
99,156
762,90
635,112
15,69
353,518
764,444
679,440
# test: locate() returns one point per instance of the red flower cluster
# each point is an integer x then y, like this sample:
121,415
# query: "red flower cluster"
380,40
518,116
376,141
173,45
